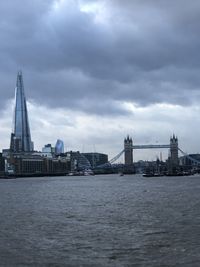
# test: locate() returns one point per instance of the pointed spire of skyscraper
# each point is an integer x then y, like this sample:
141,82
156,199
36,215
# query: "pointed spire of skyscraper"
21,137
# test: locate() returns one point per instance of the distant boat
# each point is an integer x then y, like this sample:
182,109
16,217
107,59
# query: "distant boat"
74,173
151,174
88,172
85,172
148,175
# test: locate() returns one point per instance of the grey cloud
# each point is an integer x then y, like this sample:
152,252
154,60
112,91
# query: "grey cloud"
146,52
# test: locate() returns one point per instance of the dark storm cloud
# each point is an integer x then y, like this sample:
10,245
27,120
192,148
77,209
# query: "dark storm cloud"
139,51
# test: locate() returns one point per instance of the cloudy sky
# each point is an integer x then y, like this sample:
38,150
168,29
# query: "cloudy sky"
97,70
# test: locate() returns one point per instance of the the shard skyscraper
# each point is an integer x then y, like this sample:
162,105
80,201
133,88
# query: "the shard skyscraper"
20,137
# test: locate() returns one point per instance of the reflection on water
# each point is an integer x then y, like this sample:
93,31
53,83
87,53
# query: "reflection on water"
100,221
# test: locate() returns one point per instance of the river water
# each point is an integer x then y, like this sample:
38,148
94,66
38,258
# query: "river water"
104,221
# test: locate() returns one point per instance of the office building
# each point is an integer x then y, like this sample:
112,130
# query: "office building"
20,136
96,159
59,147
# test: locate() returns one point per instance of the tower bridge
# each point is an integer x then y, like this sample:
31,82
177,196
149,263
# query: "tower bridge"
172,146
129,148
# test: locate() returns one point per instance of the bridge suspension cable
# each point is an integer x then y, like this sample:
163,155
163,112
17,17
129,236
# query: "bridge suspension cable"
138,147
116,157
145,147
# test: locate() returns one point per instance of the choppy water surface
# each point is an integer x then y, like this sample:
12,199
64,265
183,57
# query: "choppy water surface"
100,221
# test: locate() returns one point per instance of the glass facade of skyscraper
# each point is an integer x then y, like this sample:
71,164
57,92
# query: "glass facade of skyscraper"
20,137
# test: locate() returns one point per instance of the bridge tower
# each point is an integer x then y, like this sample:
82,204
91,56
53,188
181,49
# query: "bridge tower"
174,150
128,151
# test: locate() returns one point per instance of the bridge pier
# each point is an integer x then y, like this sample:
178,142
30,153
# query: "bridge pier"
174,150
128,151
173,158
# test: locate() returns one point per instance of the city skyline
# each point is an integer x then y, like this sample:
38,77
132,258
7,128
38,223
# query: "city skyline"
21,137
92,79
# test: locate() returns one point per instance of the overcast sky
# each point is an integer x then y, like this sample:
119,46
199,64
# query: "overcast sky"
95,71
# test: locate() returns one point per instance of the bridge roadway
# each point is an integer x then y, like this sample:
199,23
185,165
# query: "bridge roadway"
150,146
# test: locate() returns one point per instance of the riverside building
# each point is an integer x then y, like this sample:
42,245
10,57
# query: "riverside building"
21,159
